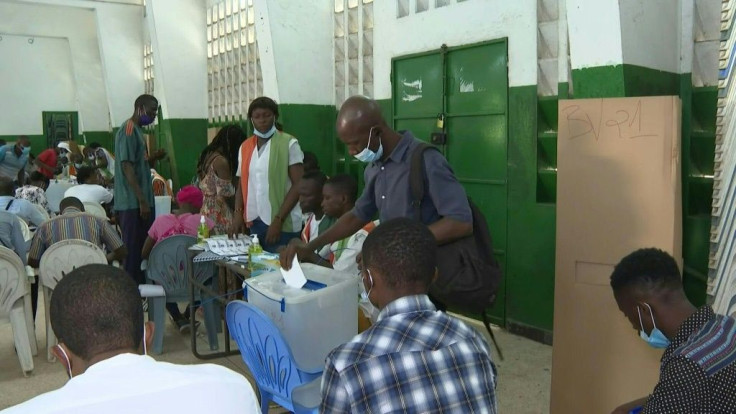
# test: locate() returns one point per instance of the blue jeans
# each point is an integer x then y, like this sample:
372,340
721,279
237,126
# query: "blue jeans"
260,228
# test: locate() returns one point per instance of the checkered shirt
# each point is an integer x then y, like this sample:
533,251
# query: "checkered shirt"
415,359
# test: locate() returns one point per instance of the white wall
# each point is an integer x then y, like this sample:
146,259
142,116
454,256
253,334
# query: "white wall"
595,33
119,39
39,77
650,33
179,40
300,33
120,31
79,26
457,24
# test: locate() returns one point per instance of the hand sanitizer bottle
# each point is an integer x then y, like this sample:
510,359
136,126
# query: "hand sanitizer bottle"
254,249
203,232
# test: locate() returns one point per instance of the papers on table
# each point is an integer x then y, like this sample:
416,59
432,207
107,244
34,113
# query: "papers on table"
227,247
294,277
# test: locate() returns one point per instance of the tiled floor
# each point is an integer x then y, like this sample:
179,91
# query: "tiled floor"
523,379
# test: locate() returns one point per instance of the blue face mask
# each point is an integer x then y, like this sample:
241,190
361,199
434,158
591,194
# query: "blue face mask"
656,339
144,119
368,155
268,134
26,150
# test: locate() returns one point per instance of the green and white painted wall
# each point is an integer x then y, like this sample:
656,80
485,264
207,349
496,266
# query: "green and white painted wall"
555,49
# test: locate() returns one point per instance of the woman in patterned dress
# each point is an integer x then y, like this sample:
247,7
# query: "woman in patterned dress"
216,173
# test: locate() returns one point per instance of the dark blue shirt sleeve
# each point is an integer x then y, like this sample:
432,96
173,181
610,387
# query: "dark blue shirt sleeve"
445,191
365,207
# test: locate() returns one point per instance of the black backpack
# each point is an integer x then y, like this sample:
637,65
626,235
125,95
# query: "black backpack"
468,273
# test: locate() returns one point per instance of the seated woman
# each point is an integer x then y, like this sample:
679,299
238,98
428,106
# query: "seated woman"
101,158
35,191
189,199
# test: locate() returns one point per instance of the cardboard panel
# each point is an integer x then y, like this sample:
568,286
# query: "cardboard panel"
618,189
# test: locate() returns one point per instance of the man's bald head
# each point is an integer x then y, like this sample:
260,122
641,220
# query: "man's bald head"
354,122
359,111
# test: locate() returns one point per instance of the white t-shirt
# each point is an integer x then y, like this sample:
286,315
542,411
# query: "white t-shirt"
346,251
90,193
129,383
314,232
259,205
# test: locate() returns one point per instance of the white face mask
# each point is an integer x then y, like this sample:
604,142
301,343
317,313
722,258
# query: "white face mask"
366,295
145,351
268,134
68,361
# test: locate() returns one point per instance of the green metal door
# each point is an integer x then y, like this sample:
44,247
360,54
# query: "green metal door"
468,86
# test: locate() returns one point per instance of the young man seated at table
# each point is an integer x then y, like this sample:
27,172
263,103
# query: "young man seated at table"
96,313
310,201
338,197
698,370
189,199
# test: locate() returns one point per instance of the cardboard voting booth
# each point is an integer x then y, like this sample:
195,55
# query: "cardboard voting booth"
618,189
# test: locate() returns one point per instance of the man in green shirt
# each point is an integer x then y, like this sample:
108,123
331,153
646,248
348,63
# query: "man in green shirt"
133,193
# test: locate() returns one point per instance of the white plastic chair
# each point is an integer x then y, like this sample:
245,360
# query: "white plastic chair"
15,305
27,235
95,209
43,212
58,260
163,205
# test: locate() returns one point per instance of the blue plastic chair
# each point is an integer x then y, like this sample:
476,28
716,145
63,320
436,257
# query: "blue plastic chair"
167,266
269,359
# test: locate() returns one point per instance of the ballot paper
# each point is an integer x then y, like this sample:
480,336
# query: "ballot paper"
294,277
227,247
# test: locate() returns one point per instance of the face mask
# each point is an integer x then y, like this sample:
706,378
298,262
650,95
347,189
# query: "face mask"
68,361
77,165
26,150
366,295
656,339
367,155
145,119
268,134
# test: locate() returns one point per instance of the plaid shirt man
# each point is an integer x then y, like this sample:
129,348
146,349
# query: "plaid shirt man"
74,224
414,360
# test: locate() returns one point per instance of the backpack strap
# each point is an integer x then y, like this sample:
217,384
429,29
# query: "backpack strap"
416,178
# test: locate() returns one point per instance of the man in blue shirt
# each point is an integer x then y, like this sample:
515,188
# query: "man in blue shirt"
415,359
133,194
13,159
444,209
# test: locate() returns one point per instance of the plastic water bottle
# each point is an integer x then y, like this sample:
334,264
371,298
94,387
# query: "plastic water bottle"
203,232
